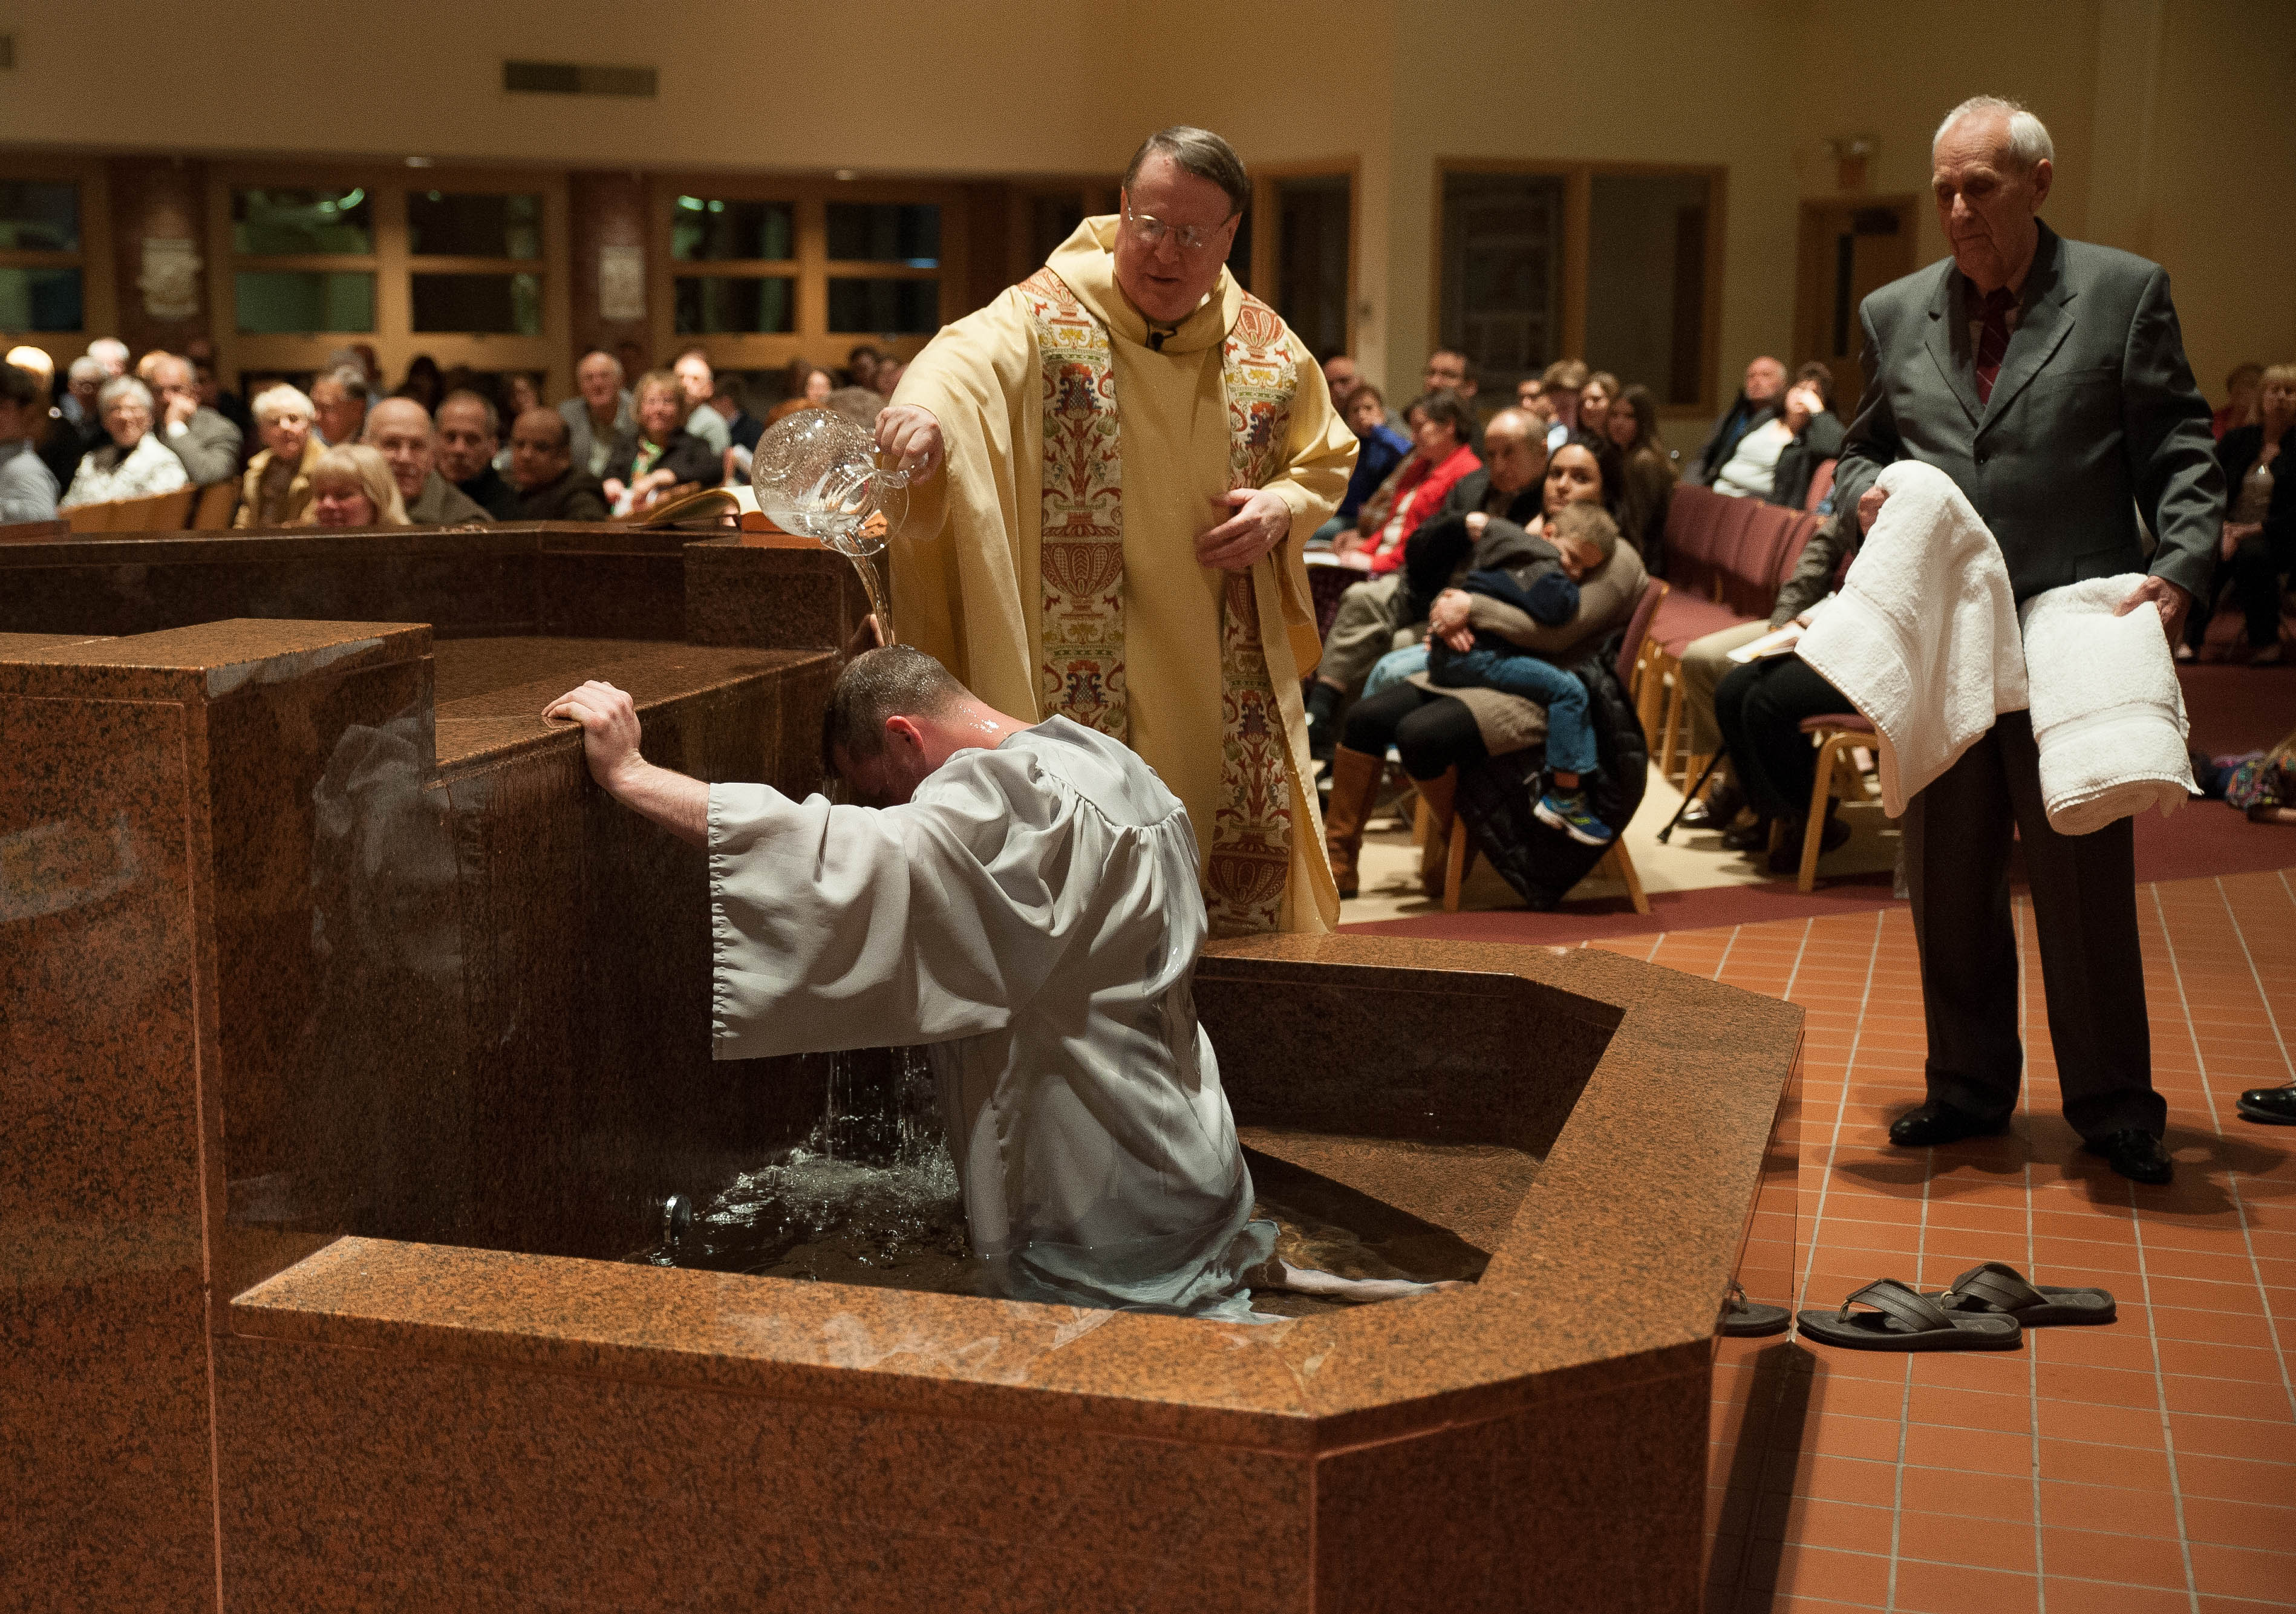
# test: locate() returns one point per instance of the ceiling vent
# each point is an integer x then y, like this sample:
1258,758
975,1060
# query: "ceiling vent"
576,79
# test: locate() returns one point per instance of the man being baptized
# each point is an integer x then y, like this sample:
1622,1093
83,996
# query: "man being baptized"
1024,898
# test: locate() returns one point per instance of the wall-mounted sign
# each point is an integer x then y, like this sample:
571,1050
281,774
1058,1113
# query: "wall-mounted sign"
621,282
170,280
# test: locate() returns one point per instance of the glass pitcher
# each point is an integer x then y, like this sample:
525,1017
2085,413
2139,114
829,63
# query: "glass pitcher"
816,473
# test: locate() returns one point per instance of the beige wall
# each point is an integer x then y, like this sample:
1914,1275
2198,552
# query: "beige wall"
2171,116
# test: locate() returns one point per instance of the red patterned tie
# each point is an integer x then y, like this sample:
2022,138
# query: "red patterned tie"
1993,339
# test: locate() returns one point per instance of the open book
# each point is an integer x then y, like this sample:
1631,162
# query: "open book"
1777,641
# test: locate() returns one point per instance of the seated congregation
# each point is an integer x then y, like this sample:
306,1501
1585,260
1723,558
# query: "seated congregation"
1520,613
164,444
1511,722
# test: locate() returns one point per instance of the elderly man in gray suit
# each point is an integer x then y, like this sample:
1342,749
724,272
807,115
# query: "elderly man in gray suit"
2047,377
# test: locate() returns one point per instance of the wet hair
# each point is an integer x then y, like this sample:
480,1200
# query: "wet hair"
1587,524
1444,407
2028,136
1200,152
897,681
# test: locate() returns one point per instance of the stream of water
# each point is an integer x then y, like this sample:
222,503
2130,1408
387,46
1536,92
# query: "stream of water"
871,1197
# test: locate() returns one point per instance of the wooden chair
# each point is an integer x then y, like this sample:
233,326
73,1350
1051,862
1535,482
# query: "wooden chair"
218,503
1821,483
1837,733
1634,649
160,512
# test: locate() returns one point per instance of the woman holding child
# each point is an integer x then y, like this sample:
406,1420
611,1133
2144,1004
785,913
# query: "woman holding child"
1537,600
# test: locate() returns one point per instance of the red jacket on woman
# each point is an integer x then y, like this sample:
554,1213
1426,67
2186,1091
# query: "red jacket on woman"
1419,495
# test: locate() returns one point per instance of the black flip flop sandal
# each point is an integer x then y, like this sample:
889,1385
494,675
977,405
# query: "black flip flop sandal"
1998,1289
1744,1319
1905,1320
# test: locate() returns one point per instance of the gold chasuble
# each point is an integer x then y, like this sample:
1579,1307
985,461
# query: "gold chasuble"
1052,565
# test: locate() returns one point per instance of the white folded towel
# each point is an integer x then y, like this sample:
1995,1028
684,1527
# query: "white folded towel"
1923,638
2108,713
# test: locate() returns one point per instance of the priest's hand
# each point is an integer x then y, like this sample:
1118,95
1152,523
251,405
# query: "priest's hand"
1262,521
2172,601
912,435
609,743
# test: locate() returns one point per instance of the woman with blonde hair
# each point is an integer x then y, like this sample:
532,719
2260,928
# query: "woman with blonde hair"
276,489
351,486
660,454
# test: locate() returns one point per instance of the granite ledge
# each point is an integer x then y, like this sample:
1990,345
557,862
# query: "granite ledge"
208,661
1611,1273
911,1353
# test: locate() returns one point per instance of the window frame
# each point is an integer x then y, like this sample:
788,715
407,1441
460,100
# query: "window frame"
1577,227
810,271
99,310
1267,225
394,267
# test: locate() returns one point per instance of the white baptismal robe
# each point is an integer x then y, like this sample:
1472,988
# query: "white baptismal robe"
1034,914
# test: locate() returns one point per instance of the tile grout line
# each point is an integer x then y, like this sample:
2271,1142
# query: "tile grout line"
1905,1400
1841,1109
2144,1268
2168,1431
2032,1358
2231,1176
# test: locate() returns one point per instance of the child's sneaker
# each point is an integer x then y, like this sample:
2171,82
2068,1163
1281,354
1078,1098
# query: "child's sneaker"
1571,814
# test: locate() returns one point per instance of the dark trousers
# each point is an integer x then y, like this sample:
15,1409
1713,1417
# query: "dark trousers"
2253,576
1760,708
1958,834
1430,731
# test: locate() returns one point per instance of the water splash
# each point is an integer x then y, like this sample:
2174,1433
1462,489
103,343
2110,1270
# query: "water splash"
870,1197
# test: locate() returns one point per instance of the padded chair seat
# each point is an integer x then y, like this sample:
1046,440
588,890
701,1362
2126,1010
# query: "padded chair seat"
1850,722
1683,617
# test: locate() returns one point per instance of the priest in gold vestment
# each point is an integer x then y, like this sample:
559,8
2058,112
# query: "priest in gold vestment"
1134,451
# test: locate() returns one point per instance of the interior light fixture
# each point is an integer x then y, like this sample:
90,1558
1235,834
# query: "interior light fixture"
848,173
418,162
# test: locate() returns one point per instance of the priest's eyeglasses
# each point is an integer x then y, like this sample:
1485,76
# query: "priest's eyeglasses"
1151,231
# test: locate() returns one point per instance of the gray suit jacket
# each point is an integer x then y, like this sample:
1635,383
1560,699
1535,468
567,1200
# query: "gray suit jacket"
208,446
2093,417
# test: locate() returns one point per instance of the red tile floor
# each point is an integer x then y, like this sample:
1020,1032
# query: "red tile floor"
2146,1465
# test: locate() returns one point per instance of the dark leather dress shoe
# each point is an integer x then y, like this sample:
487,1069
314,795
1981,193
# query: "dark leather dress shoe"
2135,1154
1934,1123
2273,1106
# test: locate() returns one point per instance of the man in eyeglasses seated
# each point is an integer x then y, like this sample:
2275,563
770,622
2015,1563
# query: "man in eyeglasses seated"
1115,466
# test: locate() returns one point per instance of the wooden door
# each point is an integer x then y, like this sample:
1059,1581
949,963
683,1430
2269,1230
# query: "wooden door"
1848,249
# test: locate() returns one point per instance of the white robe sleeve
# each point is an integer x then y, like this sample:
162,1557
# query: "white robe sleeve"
843,927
